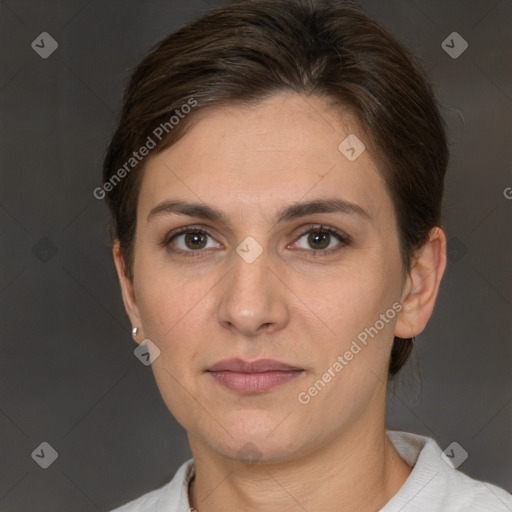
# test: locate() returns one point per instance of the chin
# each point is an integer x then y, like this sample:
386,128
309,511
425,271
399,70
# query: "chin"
256,443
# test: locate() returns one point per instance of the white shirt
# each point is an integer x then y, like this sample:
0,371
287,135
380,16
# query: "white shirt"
433,485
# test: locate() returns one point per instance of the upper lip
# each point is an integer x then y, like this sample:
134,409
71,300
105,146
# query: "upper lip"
261,365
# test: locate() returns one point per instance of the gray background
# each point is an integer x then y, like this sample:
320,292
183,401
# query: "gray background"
68,375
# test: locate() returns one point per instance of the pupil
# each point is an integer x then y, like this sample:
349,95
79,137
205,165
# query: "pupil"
191,240
319,238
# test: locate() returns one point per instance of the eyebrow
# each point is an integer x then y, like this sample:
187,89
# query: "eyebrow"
293,211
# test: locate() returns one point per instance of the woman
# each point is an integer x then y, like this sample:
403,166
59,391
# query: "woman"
275,184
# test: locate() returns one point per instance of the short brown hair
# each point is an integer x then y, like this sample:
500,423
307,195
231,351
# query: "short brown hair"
256,48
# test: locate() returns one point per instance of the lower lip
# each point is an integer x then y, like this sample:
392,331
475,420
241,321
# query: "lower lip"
254,382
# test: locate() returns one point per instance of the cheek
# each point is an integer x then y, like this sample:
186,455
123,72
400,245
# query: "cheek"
174,317
177,315
355,297
168,302
358,309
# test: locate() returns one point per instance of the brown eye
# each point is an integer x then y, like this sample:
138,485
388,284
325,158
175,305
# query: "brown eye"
190,241
319,239
195,240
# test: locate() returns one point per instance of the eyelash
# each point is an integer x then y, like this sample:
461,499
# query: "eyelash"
342,238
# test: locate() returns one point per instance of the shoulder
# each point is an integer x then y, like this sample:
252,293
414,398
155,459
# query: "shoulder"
435,485
172,497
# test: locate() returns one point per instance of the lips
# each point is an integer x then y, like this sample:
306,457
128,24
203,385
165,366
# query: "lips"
253,377
259,366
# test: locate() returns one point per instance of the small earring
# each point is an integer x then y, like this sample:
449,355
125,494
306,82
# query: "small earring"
135,330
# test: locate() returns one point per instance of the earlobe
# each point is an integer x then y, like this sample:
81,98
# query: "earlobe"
127,290
422,286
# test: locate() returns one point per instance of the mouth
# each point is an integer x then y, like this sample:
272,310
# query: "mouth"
253,377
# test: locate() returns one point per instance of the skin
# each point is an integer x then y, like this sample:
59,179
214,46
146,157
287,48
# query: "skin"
331,454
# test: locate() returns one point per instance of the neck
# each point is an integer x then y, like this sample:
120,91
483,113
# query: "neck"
357,471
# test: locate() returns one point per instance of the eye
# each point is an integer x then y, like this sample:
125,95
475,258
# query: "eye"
322,240
194,241
189,240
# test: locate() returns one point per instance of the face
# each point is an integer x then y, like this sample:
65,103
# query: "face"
255,273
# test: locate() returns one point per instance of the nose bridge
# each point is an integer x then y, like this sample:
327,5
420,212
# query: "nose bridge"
252,296
251,271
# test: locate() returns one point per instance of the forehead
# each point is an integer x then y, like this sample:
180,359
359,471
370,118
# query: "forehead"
285,148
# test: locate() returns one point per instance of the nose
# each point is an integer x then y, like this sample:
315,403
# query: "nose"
253,299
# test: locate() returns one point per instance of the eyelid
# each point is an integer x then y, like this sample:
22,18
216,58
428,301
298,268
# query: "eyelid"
198,228
324,228
342,237
186,229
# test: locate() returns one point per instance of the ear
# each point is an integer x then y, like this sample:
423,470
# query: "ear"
127,290
422,285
